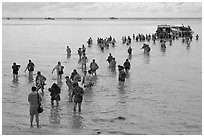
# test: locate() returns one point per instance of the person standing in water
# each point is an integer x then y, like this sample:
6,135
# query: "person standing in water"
127,66
55,93
83,49
15,68
78,93
34,99
68,51
84,60
30,67
70,86
40,81
113,64
80,53
122,74
197,37
75,77
87,80
59,69
110,58
129,50
93,67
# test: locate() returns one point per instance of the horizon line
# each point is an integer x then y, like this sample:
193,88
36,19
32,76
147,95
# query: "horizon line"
101,17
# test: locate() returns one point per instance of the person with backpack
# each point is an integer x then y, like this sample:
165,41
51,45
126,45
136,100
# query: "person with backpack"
55,93
34,99
30,67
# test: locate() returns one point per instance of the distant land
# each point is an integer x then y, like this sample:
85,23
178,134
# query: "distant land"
98,18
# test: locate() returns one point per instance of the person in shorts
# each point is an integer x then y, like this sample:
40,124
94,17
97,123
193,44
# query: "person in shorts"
33,99
59,69
15,68
30,67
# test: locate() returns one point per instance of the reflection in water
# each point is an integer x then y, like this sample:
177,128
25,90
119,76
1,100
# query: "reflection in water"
188,48
146,58
130,56
15,82
122,100
30,78
163,50
121,87
112,71
59,83
68,56
77,121
54,115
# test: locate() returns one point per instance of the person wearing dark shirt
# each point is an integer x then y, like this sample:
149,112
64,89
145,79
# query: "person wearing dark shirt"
30,67
15,68
78,93
127,66
122,74
110,58
55,93
129,50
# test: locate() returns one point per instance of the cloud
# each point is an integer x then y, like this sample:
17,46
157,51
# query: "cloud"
101,9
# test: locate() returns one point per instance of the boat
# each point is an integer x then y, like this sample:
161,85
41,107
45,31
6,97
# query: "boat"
167,31
181,29
49,18
113,18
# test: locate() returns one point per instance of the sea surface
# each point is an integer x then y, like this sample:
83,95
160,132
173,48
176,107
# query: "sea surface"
161,96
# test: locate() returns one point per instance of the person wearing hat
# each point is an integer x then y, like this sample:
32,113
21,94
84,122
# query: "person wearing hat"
15,68
77,94
40,81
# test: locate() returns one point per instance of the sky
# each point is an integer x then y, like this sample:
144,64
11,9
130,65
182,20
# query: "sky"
102,9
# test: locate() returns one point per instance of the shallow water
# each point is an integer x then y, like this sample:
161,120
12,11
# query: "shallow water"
162,95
